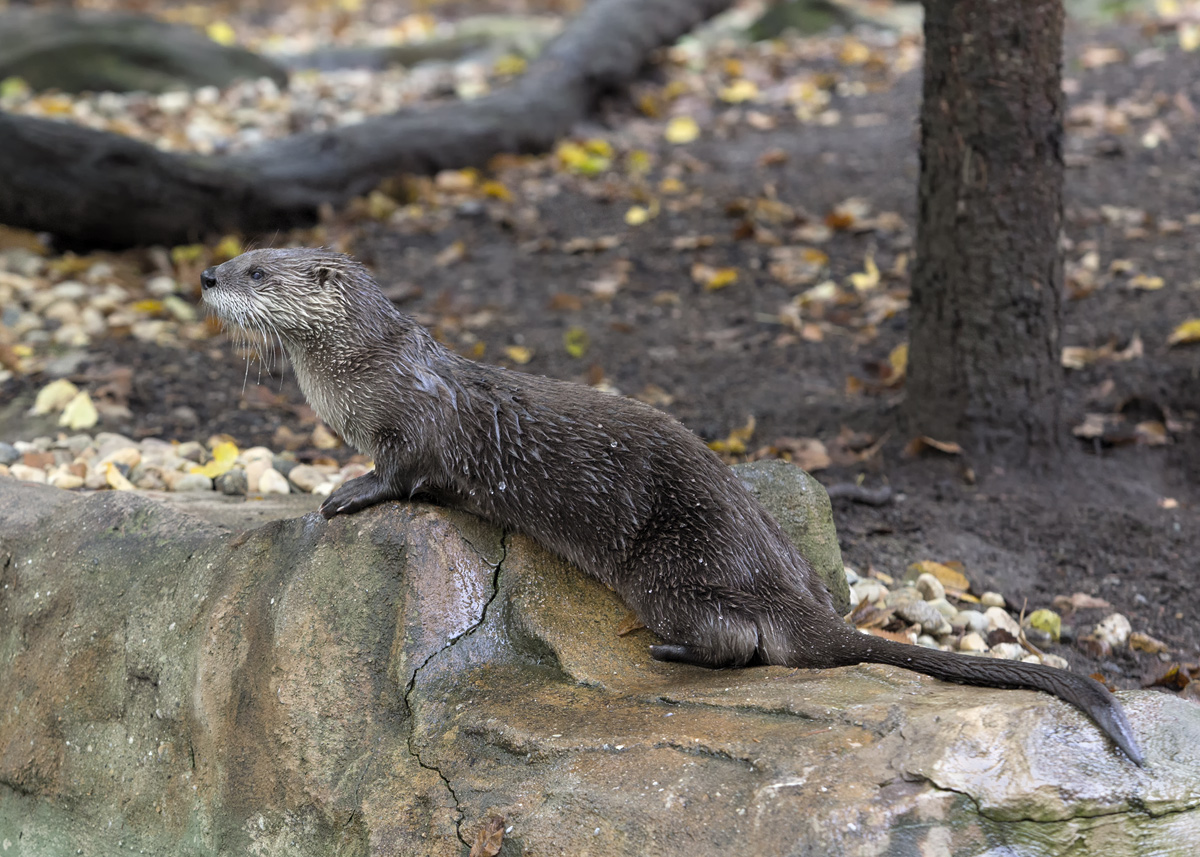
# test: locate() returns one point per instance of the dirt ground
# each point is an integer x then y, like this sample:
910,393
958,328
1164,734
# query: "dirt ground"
1125,527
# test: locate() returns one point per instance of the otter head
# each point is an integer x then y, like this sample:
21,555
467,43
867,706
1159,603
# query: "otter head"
298,295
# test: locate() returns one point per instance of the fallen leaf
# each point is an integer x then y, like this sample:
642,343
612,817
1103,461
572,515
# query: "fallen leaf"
224,456
79,413
713,278
115,478
1185,333
452,254
917,444
221,33
575,340
1145,283
898,364
1145,643
681,129
637,215
54,396
738,91
736,443
1080,601
807,453
947,575
489,839
519,354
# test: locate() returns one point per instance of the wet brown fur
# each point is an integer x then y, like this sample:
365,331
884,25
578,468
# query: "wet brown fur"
618,488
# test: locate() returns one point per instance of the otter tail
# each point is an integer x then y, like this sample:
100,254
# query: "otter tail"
1083,692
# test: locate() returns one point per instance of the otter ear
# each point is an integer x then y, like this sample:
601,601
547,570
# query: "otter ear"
322,275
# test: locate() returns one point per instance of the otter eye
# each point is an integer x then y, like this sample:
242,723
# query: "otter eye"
256,274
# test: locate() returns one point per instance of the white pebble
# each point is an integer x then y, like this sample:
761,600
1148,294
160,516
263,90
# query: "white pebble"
972,642
930,587
992,599
1008,651
27,474
1113,629
273,482
971,620
998,619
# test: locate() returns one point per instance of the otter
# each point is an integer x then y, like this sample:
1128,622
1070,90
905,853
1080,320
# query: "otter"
616,487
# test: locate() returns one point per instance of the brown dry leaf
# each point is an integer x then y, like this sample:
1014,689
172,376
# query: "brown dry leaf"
1146,283
918,444
692,242
848,214
798,266
1145,643
807,453
1093,426
606,285
1079,601
1080,356
563,302
1175,677
736,443
489,839
629,624
591,245
772,158
1095,56
948,574
1151,433
452,254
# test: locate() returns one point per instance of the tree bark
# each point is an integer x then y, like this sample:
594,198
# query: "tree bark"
984,357
97,189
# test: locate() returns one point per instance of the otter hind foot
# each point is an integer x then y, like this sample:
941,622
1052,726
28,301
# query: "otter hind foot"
358,494
700,656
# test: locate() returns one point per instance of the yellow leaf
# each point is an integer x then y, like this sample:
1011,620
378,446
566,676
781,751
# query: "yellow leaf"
671,186
1185,333
519,354
721,278
13,87
54,396
150,306
738,91
228,247
509,64
351,5
577,159
637,162
224,456
598,146
575,340
867,279
854,52
79,413
735,444
637,215
946,575
1146,283
496,190
682,129
185,253
221,33
380,206
898,360
116,479
1189,35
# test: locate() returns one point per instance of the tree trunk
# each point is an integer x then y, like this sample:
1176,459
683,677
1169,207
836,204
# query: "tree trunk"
984,364
92,188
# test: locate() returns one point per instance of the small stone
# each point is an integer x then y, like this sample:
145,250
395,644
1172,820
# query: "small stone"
927,641
77,443
903,596
944,607
254,472
27,474
283,465
306,478
1113,629
852,576
194,451
8,454
233,483
972,642
257,453
869,590
1008,651
922,613
323,438
992,599
1049,660
273,482
64,479
126,455
161,286
193,482
930,587
323,490
148,478
108,443
970,620
999,620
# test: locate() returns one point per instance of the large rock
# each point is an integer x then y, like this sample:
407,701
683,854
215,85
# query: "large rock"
383,684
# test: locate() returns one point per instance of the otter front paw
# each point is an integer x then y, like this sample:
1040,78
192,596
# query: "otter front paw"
357,494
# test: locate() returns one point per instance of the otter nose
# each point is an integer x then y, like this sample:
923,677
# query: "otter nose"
208,279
